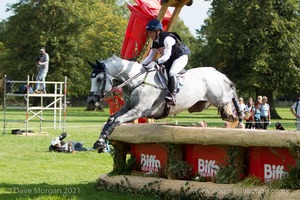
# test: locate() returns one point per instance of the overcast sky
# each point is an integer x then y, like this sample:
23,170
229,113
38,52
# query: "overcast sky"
193,16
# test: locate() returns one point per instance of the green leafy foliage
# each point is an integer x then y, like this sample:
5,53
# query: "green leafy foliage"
71,31
256,43
188,39
230,172
292,180
176,168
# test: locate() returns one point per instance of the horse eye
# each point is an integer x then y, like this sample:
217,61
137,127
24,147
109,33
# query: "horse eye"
99,79
93,75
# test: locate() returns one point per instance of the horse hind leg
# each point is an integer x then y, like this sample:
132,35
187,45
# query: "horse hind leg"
227,115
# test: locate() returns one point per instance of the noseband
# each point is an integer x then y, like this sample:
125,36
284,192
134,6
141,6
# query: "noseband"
102,92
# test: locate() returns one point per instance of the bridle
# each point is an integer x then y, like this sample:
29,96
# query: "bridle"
101,92
100,67
95,97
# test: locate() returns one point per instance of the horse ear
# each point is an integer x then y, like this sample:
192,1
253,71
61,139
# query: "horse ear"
100,66
98,63
92,64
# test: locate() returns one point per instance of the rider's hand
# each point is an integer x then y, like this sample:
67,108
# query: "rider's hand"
151,65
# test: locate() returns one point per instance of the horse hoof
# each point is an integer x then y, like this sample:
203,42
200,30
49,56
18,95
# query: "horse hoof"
99,145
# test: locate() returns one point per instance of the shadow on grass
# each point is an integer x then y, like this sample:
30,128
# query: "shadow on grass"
42,191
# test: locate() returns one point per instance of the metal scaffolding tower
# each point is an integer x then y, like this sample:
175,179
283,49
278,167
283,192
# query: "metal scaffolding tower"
56,102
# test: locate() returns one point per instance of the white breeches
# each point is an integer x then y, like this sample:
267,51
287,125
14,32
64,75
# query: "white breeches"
178,65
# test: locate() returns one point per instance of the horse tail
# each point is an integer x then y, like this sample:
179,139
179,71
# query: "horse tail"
229,104
234,101
234,96
232,89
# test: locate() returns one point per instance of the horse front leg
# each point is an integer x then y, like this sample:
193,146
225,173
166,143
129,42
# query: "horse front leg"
108,128
124,115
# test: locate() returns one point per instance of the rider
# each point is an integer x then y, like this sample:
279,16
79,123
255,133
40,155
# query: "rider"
174,55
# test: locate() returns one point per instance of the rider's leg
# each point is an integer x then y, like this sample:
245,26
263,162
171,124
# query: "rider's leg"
176,67
172,86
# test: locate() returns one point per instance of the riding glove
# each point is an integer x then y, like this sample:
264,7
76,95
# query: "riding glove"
151,65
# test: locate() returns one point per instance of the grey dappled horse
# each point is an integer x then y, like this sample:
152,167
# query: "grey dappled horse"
144,94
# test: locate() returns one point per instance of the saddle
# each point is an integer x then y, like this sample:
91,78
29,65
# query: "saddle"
163,78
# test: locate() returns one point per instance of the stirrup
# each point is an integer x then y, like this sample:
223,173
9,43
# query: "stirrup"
170,100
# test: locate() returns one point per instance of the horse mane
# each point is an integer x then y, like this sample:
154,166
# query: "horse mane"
118,59
114,57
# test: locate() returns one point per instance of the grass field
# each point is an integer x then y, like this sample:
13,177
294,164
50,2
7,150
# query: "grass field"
29,171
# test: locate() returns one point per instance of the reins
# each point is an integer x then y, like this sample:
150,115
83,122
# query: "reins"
129,80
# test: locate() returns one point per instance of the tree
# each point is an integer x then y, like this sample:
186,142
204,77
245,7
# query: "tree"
71,31
196,57
256,43
186,37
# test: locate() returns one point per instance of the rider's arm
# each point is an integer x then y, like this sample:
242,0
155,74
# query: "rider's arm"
168,43
149,58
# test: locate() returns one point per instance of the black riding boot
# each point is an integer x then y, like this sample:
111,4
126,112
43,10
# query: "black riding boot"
172,85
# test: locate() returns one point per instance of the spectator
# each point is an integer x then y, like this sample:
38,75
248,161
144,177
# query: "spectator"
248,113
295,109
43,67
202,124
242,107
241,125
265,116
259,98
256,116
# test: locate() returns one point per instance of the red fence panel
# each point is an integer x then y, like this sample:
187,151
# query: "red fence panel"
136,35
269,163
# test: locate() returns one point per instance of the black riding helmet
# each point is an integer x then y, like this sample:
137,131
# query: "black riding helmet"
154,25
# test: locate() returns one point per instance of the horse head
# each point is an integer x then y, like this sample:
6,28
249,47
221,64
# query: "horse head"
100,83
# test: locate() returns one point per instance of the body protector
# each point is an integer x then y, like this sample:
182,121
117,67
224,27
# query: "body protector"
178,49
